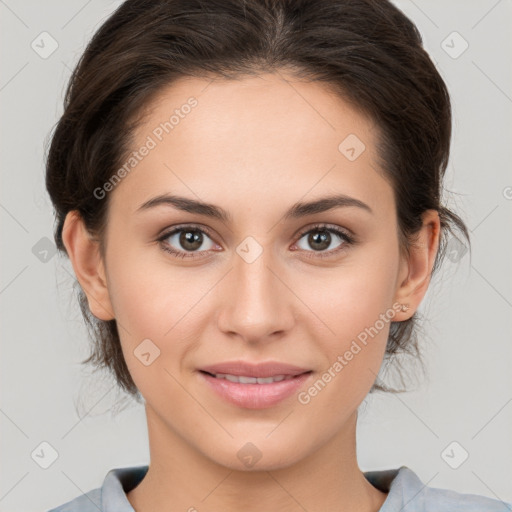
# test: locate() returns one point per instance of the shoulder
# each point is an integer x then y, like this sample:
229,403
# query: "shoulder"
433,499
88,502
444,500
407,493
111,496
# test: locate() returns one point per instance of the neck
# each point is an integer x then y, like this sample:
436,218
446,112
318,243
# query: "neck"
180,478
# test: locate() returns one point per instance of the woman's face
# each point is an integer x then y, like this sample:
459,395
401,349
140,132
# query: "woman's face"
263,284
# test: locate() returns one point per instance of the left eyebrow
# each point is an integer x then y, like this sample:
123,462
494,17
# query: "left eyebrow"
297,211
324,204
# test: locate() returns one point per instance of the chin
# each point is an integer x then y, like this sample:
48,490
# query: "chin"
257,456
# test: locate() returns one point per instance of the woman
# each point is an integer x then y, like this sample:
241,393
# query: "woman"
249,193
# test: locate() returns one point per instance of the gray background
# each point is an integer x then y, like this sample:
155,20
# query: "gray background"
467,395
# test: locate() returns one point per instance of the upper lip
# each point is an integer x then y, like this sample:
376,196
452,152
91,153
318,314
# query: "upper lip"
267,369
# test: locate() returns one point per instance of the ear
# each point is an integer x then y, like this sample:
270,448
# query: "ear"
416,267
88,265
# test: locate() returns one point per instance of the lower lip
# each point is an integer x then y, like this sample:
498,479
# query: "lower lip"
255,396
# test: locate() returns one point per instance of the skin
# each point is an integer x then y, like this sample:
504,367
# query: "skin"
254,147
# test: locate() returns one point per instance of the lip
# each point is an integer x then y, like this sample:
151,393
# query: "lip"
266,369
255,396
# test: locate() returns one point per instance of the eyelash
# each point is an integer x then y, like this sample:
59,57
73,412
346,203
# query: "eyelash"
346,237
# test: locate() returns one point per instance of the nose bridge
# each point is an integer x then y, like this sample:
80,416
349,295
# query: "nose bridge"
257,305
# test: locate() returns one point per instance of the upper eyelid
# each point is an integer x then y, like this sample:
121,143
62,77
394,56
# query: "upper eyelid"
326,227
178,228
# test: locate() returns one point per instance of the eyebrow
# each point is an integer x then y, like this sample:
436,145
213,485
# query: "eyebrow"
298,210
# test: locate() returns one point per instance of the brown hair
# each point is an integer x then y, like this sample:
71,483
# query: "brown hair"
368,50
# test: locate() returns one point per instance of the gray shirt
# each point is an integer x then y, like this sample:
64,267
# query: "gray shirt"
406,493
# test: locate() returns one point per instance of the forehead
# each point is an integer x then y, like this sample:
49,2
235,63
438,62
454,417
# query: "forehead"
262,133
272,105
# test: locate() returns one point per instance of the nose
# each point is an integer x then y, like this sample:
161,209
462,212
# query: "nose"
257,304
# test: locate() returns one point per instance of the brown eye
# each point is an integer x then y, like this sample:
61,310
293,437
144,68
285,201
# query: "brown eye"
185,241
321,240
191,240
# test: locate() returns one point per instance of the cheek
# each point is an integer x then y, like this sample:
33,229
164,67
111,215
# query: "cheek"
355,302
146,303
148,294
353,295
160,303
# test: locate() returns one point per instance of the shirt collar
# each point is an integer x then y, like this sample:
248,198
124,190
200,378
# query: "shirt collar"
401,484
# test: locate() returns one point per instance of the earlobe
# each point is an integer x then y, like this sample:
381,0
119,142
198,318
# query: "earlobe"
88,265
419,264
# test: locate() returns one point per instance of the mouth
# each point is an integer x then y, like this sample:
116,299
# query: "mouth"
254,386
246,379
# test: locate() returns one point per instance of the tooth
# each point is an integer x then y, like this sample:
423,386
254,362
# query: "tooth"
247,380
266,380
243,379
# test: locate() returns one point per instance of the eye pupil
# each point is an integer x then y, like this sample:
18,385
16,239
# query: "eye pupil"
193,237
320,237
